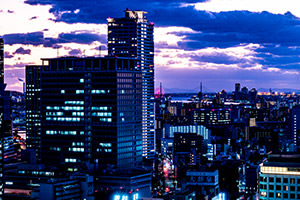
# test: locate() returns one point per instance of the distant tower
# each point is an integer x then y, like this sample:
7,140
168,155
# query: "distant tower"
160,90
132,36
237,87
237,91
200,94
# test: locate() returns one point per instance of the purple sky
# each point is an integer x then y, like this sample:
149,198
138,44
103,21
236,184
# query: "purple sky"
218,42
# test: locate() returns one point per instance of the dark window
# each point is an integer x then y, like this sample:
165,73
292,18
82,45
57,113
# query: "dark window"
271,179
278,187
271,194
278,180
285,180
292,180
271,187
292,188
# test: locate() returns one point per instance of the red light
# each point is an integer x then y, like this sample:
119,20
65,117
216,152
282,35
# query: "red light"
167,189
137,189
213,109
121,188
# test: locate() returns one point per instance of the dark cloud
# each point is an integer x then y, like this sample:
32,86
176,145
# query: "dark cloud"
75,52
23,51
37,38
7,55
221,29
277,34
32,18
91,11
219,58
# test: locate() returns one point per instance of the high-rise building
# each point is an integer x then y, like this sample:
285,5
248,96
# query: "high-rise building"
33,108
132,36
294,127
89,110
1,61
5,117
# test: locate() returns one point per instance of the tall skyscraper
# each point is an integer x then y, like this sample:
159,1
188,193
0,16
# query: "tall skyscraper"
33,108
1,117
1,61
294,127
5,116
89,111
132,36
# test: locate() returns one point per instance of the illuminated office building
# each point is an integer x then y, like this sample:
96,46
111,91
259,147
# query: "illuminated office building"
132,36
217,116
89,111
280,178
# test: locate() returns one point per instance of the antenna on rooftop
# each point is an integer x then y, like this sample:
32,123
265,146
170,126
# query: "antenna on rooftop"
160,89
201,86
100,51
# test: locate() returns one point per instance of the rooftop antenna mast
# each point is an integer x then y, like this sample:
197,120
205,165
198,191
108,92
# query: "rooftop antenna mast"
201,86
160,90
99,51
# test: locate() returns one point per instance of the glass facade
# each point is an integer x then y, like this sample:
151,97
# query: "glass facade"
132,36
277,182
101,124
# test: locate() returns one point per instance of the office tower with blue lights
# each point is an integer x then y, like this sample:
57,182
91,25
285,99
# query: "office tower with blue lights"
132,36
88,110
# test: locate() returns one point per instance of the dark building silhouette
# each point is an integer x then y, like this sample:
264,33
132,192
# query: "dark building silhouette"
1,61
5,117
33,107
132,36
89,111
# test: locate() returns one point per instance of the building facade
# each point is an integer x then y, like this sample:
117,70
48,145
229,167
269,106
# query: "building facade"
132,36
280,179
33,108
90,111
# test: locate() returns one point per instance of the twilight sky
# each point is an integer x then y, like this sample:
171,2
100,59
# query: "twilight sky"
218,42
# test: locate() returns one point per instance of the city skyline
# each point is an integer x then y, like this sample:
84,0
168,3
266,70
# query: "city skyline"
254,43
